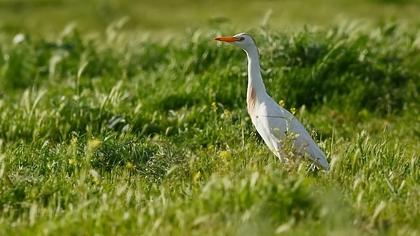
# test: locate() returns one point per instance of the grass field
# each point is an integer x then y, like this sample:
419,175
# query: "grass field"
114,133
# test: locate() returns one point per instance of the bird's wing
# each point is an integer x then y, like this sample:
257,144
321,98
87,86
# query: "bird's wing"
280,123
271,126
305,144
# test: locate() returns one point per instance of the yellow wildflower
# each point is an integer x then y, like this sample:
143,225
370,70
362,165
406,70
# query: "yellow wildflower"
282,103
129,165
72,161
225,154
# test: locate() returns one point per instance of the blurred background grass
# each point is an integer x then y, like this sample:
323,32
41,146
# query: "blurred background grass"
162,17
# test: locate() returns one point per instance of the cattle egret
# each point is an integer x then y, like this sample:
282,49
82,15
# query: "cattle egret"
274,123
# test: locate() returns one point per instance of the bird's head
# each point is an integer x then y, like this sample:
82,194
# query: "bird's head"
242,40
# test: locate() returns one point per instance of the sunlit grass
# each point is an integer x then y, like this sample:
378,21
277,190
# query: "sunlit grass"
113,135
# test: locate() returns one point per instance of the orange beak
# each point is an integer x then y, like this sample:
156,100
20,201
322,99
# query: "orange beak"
229,39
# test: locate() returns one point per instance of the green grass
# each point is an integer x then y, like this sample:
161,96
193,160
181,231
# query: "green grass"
110,134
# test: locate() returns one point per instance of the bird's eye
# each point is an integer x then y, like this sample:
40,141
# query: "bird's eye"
241,39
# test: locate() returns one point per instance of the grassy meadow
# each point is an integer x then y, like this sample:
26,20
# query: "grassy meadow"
124,126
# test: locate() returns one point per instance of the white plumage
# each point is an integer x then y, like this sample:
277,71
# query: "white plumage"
273,122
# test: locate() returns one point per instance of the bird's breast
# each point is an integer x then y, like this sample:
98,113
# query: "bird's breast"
251,99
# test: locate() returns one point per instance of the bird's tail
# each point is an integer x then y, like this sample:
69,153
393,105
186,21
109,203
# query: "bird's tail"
318,157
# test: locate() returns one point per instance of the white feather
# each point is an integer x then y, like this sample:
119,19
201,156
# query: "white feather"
272,121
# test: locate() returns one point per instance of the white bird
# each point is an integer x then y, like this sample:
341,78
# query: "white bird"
273,122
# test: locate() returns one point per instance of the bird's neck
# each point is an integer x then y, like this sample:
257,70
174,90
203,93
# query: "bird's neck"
256,87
